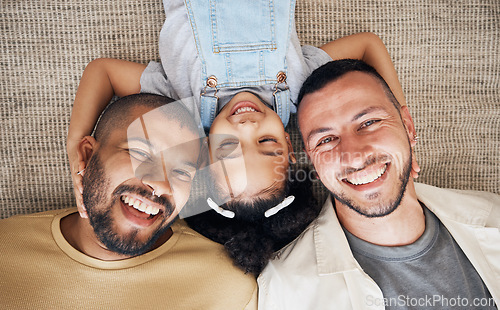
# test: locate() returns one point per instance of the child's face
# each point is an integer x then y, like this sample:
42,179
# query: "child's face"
249,148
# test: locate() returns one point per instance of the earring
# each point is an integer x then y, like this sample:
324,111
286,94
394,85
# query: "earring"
415,138
80,172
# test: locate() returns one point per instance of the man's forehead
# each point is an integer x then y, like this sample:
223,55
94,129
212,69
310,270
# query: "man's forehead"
160,130
352,87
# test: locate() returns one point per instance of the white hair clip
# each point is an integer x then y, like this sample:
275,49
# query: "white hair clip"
230,214
285,203
216,208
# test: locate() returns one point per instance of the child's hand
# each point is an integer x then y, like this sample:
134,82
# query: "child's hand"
101,79
75,168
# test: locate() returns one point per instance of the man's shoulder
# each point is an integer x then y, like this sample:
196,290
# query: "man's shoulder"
457,195
28,231
15,221
190,240
298,254
206,260
451,201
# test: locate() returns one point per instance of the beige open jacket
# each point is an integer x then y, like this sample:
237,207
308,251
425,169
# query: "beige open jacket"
318,270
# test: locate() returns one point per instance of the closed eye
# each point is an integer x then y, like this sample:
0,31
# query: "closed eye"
268,139
226,149
139,155
182,175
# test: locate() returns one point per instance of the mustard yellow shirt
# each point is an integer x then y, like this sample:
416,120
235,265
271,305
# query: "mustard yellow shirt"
39,269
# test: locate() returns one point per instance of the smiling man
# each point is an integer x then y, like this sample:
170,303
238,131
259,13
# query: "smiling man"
121,249
381,241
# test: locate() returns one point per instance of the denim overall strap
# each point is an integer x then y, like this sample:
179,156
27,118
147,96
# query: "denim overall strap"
242,43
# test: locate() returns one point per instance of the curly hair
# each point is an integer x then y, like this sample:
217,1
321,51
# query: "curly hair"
252,243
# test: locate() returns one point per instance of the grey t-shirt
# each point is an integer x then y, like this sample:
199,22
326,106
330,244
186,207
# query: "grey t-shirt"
431,273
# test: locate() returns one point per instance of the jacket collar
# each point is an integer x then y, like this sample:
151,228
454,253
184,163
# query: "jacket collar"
334,255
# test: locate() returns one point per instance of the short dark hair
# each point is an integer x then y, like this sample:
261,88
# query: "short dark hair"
334,70
118,113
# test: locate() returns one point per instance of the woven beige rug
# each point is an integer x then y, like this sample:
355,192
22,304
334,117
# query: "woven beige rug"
446,53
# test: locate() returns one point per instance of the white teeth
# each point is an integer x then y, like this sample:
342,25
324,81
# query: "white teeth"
138,205
141,206
359,179
244,109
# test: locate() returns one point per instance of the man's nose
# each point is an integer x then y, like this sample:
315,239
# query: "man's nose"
155,177
158,187
354,151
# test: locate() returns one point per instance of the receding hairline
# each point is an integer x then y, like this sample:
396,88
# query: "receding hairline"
123,112
386,89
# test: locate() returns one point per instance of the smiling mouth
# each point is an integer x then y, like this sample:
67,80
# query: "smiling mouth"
361,179
145,211
244,110
244,107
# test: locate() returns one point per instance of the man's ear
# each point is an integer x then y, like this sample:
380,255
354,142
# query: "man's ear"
291,154
409,125
412,135
85,150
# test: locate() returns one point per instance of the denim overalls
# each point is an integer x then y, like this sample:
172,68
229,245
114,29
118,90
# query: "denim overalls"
242,43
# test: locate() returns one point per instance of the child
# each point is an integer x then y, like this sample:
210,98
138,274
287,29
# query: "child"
243,65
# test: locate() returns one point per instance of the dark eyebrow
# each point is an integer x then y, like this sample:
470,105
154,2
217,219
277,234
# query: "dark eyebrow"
364,112
142,140
151,148
191,164
273,154
316,131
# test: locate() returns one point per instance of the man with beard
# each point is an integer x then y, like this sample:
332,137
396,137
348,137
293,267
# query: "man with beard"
121,248
381,240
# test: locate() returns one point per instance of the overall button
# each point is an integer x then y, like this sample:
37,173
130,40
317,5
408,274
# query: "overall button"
212,81
281,76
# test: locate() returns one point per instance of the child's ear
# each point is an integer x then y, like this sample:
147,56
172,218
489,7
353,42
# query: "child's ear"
291,154
85,150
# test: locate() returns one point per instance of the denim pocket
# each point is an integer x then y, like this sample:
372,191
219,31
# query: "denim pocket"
233,31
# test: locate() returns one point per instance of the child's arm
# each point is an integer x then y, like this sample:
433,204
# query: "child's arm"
101,79
369,48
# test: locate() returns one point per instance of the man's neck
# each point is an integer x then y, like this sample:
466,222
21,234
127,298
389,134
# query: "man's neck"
80,235
401,227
